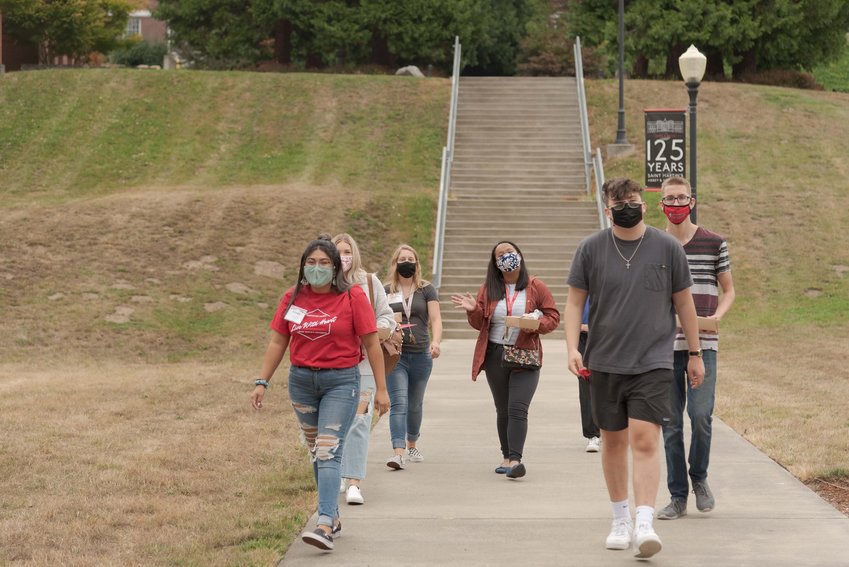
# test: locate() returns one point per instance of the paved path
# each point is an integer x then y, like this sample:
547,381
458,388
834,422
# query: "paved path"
454,510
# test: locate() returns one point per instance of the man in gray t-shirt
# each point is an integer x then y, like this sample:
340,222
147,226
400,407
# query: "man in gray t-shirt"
637,278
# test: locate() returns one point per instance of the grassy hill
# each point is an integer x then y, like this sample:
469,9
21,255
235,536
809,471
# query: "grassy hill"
139,197
149,222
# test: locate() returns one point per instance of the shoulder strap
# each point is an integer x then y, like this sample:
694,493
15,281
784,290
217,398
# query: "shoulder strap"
370,277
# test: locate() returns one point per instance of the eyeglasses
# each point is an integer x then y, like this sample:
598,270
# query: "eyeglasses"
630,204
673,199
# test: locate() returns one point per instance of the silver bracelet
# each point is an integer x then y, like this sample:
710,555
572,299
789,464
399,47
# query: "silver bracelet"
262,382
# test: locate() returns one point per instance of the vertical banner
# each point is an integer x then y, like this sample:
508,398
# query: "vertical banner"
665,146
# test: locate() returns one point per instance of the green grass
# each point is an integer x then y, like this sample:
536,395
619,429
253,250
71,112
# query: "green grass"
771,166
66,134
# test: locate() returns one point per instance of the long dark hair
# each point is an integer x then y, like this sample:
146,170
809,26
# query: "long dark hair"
338,283
495,287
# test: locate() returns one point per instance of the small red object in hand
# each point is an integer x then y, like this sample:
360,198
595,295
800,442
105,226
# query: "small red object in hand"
584,372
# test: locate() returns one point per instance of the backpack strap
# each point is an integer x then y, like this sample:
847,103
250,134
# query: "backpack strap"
370,277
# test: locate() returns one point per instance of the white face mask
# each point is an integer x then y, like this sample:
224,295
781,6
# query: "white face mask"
346,263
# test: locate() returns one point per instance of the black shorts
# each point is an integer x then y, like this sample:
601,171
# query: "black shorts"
617,397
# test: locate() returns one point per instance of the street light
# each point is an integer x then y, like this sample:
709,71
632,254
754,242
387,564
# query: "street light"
620,130
692,64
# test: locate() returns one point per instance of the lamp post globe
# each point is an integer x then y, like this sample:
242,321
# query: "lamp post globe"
692,64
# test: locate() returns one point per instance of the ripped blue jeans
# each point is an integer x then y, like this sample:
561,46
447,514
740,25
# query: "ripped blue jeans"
325,402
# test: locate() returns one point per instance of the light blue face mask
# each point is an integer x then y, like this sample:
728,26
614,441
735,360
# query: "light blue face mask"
318,276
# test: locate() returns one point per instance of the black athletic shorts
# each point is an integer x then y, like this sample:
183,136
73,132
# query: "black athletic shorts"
617,397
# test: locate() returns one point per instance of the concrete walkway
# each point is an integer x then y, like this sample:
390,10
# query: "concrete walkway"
453,509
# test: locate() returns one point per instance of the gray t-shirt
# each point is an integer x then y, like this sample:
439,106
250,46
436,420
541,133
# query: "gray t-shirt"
632,317
418,317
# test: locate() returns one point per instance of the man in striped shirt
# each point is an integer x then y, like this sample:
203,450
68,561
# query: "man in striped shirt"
707,254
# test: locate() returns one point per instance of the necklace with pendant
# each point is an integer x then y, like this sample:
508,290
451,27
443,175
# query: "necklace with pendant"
627,260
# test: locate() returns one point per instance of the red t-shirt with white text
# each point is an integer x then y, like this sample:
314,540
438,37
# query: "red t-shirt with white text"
329,334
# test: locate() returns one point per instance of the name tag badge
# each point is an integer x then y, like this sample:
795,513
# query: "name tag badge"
295,314
395,297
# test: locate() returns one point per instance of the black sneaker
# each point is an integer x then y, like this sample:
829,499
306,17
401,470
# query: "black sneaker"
320,539
517,471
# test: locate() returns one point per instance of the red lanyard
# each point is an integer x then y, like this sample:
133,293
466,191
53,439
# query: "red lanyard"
509,302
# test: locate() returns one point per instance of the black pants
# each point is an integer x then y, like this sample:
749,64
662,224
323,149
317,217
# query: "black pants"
587,424
512,391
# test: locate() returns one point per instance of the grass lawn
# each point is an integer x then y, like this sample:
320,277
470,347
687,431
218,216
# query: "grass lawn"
150,222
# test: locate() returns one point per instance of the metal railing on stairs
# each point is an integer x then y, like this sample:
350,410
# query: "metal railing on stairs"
582,105
593,164
445,175
598,170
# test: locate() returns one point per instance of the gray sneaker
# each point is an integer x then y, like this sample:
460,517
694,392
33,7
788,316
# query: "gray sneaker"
674,510
704,497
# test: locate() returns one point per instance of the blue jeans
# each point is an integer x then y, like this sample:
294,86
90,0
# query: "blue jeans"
356,442
699,404
325,402
406,385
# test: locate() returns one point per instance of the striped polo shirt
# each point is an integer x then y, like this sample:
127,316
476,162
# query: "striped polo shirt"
707,254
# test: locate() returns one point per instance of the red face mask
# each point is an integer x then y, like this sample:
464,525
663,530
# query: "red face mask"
676,215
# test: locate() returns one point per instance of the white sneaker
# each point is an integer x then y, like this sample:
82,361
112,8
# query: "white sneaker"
620,534
414,455
343,484
593,445
646,542
396,462
354,495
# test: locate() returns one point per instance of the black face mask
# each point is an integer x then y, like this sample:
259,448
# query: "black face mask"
406,269
627,217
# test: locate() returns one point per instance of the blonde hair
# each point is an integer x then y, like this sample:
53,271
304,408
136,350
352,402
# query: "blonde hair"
392,274
677,181
357,273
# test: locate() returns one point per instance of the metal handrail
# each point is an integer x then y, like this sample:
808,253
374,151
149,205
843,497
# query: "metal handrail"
445,175
598,169
582,105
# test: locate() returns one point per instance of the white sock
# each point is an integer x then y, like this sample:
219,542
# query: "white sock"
645,515
621,510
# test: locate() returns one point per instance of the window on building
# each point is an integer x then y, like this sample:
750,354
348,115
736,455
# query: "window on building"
133,27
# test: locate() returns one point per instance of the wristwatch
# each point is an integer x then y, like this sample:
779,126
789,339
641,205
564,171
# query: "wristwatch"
696,353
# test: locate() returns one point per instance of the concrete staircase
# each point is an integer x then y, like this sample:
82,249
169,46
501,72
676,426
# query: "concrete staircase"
518,175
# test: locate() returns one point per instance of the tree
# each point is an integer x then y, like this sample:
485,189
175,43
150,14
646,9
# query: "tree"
218,33
72,28
745,35
319,33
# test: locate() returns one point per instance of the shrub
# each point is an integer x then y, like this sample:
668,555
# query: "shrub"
782,78
139,53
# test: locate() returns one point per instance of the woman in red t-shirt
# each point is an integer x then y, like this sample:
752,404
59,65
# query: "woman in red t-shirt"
323,321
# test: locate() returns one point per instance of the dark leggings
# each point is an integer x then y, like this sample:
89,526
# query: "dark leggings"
512,390
587,424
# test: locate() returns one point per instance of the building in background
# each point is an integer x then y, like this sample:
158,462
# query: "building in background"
141,23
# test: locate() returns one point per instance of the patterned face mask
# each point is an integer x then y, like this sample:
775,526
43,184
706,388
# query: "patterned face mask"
508,262
347,261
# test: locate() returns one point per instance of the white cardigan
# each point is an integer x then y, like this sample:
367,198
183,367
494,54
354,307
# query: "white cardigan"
383,314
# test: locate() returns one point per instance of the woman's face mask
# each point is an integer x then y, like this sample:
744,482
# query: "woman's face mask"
318,276
508,262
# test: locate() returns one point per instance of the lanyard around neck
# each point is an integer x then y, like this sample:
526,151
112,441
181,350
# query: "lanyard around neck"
407,304
508,302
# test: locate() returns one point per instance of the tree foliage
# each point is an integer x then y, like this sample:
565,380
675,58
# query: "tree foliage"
319,33
216,33
72,28
744,35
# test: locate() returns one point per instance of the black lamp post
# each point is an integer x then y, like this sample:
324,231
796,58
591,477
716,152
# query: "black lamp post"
620,129
692,64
